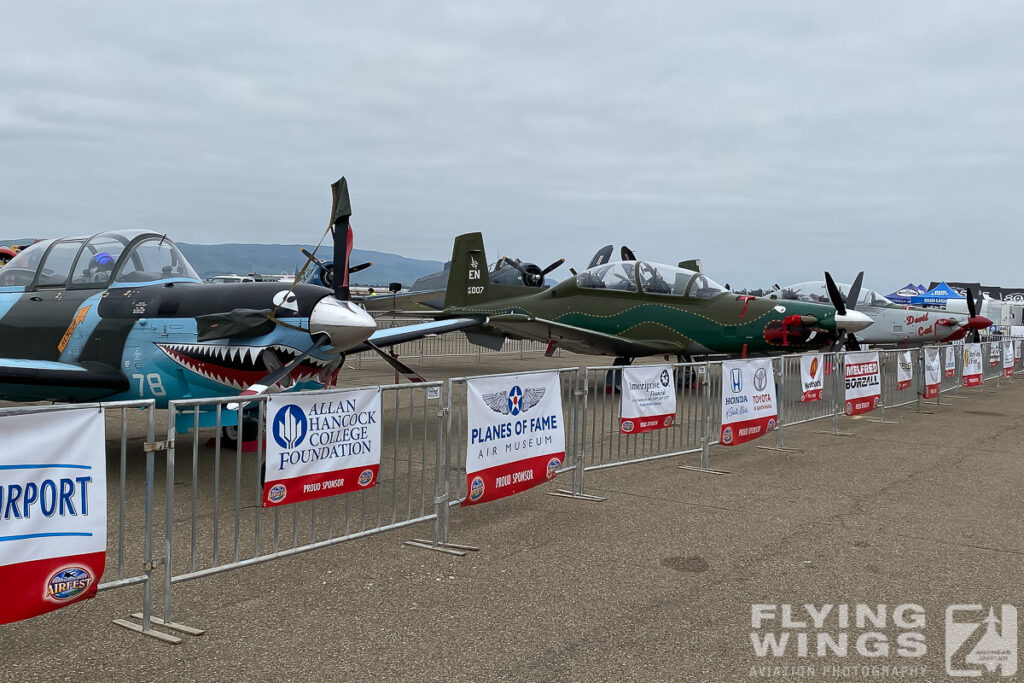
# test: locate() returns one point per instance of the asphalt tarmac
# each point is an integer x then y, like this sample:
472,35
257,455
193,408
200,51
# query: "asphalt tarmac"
655,583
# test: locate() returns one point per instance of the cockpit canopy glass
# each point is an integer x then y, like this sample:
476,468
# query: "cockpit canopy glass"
654,278
155,259
816,292
21,270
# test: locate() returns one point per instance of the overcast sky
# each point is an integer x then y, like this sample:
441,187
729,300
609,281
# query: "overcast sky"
771,139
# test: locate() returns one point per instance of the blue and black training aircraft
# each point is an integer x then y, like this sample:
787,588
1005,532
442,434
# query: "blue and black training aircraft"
122,315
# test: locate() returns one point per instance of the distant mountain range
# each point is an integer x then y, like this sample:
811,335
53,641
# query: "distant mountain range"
274,259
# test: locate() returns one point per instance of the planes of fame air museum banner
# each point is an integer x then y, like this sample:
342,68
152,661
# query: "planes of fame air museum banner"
932,373
648,398
904,370
972,365
515,438
863,382
812,372
321,445
53,510
748,400
949,368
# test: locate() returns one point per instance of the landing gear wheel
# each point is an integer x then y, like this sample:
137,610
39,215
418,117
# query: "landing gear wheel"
229,435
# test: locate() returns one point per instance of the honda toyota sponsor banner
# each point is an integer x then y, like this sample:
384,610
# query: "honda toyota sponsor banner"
972,365
932,373
53,511
515,438
812,370
1007,359
648,398
321,445
748,400
950,366
863,382
904,370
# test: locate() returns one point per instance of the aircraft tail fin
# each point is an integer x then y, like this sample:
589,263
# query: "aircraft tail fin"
468,279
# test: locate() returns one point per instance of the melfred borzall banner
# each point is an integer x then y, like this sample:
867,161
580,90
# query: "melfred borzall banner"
972,365
515,439
53,511
648,398
932,373
321,445
812,377
748,400
863,382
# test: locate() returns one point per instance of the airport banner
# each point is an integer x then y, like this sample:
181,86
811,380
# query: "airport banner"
972,365
321,445
648,398
863,382
749,407
950,364
515,436
932,373
812,370
53,510
904,370
1008,361
994,354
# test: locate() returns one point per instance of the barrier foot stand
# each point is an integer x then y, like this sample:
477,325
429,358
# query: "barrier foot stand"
782,449
563,493
882,421
450,548
831,433
703,470
152,633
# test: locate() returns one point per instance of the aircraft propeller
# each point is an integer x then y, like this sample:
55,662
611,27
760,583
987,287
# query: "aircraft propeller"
532,274
841,306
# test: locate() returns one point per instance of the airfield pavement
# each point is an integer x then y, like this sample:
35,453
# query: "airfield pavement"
655,583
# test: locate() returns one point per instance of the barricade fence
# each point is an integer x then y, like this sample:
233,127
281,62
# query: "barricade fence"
192,505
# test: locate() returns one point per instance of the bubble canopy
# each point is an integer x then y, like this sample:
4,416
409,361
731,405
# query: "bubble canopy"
649,278
816,292
118,256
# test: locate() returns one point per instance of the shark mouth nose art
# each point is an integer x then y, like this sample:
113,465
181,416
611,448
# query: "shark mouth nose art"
239,366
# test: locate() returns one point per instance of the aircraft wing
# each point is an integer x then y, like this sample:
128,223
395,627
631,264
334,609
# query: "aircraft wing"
80,380
397,335
578,339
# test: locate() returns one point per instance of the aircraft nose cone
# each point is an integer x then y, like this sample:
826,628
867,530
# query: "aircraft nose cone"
979,322
852,321
344,322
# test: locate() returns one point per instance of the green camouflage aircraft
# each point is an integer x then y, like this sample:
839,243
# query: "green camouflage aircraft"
633,308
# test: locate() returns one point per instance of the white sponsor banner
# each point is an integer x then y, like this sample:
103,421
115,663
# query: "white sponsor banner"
950,363
932,373
812,376
515,436
972,365
321,444
1008,360
1016,350
648,398
904,370
53,510
994,354
863,382
748,400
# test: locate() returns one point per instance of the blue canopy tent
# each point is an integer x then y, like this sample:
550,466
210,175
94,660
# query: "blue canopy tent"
903,294
937,296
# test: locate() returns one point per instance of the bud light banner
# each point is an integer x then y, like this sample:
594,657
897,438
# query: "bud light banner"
53,511
1007,359
863,382
748,400
648,398
972,365
950,366
812,371
321,445
932,373
904,370
515,439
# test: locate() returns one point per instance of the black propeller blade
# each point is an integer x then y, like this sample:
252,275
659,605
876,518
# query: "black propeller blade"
398,365
341,211
854,294
280,373
834,295
972,311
